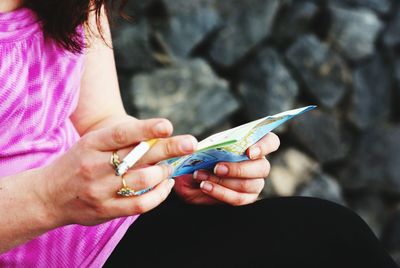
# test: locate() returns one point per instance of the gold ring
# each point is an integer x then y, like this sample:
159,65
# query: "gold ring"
125,191
114,160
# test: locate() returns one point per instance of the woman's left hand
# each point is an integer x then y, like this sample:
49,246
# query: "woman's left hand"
233,183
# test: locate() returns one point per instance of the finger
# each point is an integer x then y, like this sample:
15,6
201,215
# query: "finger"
170,147
189,190
251,169
268,144
126,134
226,195
147,177
253,186
126,206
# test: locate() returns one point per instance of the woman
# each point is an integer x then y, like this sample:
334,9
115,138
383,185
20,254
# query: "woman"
62,120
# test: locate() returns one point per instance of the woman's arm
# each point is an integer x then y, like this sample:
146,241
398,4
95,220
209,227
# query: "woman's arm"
100,101
24,213
80,187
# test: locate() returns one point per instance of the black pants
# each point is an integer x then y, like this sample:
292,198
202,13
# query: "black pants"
278,232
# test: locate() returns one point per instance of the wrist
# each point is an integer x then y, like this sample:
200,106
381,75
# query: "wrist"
42,195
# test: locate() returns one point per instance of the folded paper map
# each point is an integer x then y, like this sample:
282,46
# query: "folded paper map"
230,145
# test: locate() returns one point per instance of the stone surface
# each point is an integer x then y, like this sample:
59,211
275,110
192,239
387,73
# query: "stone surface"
246,23
267,87
131,47
190,95
391,235
397,84
371,209
391,36
323,72
397,70
372,92
289,169
320,134
188,22
354,32
322,186
381,6
294,20
126,95
375,162
342,139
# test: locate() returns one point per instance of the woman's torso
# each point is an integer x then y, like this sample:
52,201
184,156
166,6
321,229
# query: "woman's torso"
39,90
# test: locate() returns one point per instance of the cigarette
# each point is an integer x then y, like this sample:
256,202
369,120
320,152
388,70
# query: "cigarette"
133,156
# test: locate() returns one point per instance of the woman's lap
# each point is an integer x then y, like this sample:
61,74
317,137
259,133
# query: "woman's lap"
277,232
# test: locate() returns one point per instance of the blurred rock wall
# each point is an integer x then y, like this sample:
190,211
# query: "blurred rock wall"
209,65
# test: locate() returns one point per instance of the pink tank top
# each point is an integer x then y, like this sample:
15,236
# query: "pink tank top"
39,90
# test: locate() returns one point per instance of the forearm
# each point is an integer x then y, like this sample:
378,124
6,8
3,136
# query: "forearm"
24,213
100,100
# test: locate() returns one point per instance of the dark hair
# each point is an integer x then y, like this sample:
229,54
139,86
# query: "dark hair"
60,19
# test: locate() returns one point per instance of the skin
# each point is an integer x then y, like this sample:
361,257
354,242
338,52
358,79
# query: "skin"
80,187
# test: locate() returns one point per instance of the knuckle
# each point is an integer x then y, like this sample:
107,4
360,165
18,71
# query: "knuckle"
169,148
237,171
119,135
139,206
261,185
216,180
86,141
245,185
101,211
267,168
86,168
239,200
224,194
140,182
164,194
165,171
92,196
140,175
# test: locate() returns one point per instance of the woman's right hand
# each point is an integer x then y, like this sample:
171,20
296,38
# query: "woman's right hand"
80,187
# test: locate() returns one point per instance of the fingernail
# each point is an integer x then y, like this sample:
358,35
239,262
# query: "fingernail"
255,152
161,128
200,175
171,182
187,145
206,186
221,170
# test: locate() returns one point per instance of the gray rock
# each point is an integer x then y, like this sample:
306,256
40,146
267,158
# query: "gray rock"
131,47
189,94
397,70
124,86
375,162
322,186
246,23
371,98
267,87
320,134
371,208
391,36
323,72
294,21
391,234
381,6
354,32
188,22
290,168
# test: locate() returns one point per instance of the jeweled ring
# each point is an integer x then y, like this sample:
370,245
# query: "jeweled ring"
114,160
125,191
